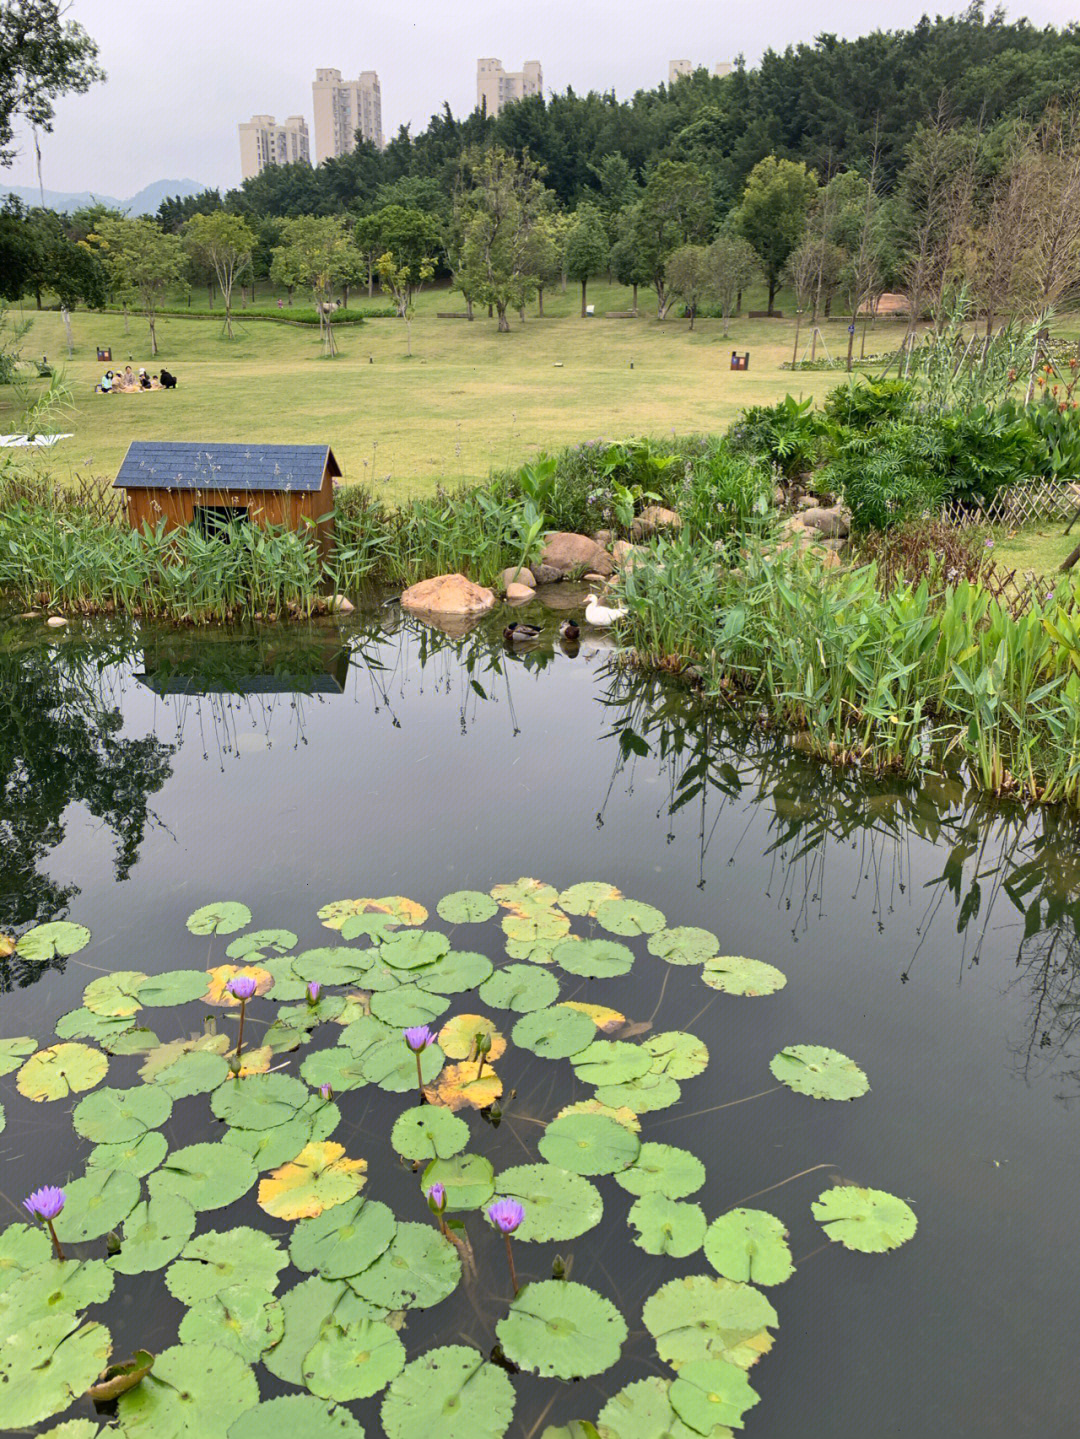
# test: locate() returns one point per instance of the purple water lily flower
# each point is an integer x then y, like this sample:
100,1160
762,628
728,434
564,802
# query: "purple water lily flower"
437,1196
326,1091
242,986
45,1204
419,1037
506,1215
314,989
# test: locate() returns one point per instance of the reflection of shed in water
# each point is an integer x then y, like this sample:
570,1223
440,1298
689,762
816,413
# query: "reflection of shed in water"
177,664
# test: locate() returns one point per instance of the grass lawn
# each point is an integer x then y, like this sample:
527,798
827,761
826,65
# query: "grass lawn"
469,400
1040,548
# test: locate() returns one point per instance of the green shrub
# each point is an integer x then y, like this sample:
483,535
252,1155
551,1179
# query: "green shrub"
790,434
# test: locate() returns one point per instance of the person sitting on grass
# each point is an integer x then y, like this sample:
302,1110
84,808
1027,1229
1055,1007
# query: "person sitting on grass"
105,384
168,381
144,380
127,379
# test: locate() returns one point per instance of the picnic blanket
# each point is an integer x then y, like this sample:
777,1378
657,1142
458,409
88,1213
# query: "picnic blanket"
13,442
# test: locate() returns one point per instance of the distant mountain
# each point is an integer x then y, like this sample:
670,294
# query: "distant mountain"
146,202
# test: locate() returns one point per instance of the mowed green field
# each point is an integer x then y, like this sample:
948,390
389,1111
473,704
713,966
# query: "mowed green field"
469,400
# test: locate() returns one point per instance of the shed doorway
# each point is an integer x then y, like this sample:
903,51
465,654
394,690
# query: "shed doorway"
213,521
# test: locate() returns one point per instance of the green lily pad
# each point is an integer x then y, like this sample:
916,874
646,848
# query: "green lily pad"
468,1179
555,1033
154,1234
589,1144
629,917
195,1072
175,986
218,1260
585,899
642,1410
643,1096
524,895
271,1148
283,1038
117,1116
419,1269
53,1288
466,906
225,917
869,1220
392,1065
343,1240
73,1429
519,987
195,1390
663,1169
330,964
59,939
732,974
114,994
85,1024
749,1245
243,1318
428,1132
558,1204
683,945
366,926
365,1031
412,949
562,1330
22,1247
337,1066
408,1006
452,1392
708,1392
309,1016
353,1361
594,958
667,1226
134,1040
14,1051
47,1365
820,1073
60,1071
260,1101
675,1053
456,973
612,1061
261,944
288,986
208,1176
539,929
698,1317
307,1307
138,1156
166,1054
300,1416
98,1202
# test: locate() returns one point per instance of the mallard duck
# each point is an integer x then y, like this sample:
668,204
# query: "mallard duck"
569,631
601,616
516,634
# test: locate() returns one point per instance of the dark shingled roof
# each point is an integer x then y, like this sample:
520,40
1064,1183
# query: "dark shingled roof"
180,465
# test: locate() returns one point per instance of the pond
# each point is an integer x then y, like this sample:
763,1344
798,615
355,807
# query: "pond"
148,774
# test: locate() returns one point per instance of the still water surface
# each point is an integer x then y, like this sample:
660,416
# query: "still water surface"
144,774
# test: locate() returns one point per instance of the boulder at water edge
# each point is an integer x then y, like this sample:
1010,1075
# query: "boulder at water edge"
573,554
653,518
447,595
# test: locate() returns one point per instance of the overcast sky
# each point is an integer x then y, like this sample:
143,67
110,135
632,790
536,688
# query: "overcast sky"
183,73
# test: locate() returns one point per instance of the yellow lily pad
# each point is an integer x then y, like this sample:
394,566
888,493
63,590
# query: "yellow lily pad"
219,977
459,1088
457,1038
318,1178
399,909
60,1070
606,1020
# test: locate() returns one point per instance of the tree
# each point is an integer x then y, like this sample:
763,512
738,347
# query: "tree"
42,56
498,203
404,268
142,263
675,210
801,271
544,254
690,274
314,251
772,212
628,264
617,187
586,248
934,210
735,265
222,243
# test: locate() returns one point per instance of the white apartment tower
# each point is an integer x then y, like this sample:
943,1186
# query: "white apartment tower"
264,142
342,107
678,68
496,87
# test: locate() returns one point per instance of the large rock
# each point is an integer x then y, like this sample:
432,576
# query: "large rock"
829,522
523,576
653,518
447,595
518,594
573,554
545,574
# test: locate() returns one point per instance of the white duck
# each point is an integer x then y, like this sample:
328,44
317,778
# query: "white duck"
601,616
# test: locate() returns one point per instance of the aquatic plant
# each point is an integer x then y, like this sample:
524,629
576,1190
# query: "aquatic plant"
45,1205
507,1215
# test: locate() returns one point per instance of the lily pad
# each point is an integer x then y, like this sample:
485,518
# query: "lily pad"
14,1051
154,1234
684,945
408,1006
374,927
271,1148
217,1260
642,1410
208,1176
60,1071
353,1361
338,1066
869,1220
708,1392
175,986
461,1087
53,1288
300,1416
218,992
394,907
59,939
663,1169
521,988
468,1179
749,1245
243,1318
626,1117
196,1071
319,1178
586,899
166,1054
419,1269
73,1429
558,1204
22,1247
47,1365
555,1033
457,1038
260,1102
607,1020
133,1040
612,1061
114,994
678,1054
138,1156
698,1317
429,1132
732,974
195,1390
524,896
456,973
452,1392
594,958
820,1073
119,1115
98,1202
466,906
392,1065
667,1226
343,1240
629,917
117,1379
225,917
562,1330
539,929
307,1307
644,1095
412,949
85,1024
588,1144
261,944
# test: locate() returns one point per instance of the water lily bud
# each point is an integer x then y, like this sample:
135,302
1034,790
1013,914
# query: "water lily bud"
313,991
436,1198
112,1242
326,1091
234,1065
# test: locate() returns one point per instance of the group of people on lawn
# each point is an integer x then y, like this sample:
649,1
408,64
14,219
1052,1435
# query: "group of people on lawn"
113,383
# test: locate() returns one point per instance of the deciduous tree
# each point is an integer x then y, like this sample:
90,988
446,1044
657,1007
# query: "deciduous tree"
586,248
773,210
499,200
735,265
223,244
690,274
42,56
314,251
142,262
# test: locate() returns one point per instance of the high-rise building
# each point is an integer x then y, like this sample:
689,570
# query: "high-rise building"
496,87
677,68
342,107
264,142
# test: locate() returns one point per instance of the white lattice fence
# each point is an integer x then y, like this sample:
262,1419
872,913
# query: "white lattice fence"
1019,505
